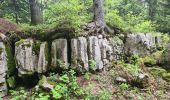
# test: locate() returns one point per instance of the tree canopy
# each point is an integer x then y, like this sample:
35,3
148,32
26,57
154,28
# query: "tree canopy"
127,15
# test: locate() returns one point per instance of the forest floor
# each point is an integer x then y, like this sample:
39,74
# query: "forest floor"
102,86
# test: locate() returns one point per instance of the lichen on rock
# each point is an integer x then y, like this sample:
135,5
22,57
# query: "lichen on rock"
31,57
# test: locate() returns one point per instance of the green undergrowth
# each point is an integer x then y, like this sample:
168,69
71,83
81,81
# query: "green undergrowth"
103,85
10,61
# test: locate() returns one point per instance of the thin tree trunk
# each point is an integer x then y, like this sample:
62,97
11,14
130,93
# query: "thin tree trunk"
36,14
98,12
15,6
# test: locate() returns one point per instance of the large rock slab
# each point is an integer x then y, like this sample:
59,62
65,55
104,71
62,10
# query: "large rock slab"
79,57
3,71
59,54
139,44
31,57
94,52
117,48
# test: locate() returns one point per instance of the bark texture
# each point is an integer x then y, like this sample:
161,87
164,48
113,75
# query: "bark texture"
98,12
36,14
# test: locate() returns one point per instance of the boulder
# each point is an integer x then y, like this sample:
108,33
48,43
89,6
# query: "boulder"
44,83
139,44
3,71
59,54
79,57
94,52
117,48
31,57
106,51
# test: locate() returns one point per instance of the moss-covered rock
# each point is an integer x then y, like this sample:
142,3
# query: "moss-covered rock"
149,61
157,71
166,76
10,61
11,81
31,56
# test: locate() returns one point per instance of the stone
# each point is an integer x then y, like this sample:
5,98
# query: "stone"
59,54
79,57
117,48
95,52
11,82
106,51
43,58
120,80
4,70
140,44
3,59
43,83
31,57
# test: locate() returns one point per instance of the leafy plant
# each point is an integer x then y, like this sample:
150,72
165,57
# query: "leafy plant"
124,86
67,87
18,95
92,65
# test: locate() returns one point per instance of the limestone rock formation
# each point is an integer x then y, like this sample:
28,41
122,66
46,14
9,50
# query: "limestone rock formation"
139,44
31,57
94,52
59,54
3,71
117,48
79,57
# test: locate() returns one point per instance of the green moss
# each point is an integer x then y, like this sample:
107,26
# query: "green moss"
166,76
47,56
36,47
10,61
11,82
42,80
157,71
149,60
1,50
20,42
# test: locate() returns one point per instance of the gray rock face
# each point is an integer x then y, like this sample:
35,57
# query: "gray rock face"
106,51
43,58
79,57
59,54
30,57
3,71
139,44
117,48
95,52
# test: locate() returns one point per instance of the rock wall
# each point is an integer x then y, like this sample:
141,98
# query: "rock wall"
92,52
85,53
31,57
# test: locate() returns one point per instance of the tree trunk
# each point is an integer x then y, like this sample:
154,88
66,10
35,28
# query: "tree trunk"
15,6
152,4
98,12
36,14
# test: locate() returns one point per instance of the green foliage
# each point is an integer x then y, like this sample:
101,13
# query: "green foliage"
132,69
68,87
92,65
68,13
18,95
105,95
124,86
10,61
144,26
114,20
149,60
87,76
